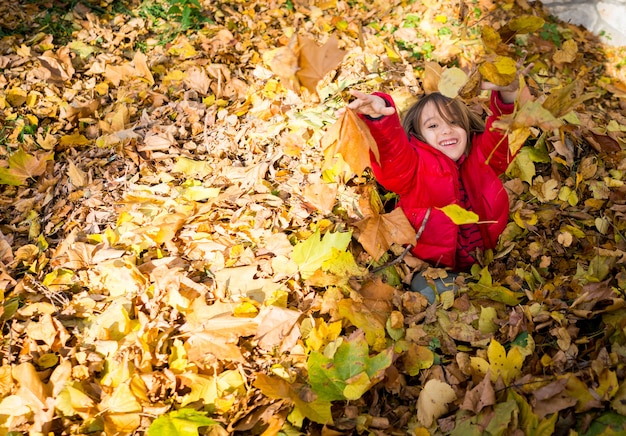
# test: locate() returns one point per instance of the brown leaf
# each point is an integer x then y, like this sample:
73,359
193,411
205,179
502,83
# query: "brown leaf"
380,231
481,396
315,61
278,328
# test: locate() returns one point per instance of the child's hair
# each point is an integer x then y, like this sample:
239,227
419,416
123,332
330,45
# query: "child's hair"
451,110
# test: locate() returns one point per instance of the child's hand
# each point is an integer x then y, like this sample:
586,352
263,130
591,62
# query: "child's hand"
368,104
508,93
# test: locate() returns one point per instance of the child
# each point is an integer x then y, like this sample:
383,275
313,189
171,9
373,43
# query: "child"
443,154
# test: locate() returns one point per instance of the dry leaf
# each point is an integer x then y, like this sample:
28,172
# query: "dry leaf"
432,75
452,81
315,61
433,401
350,137
378,232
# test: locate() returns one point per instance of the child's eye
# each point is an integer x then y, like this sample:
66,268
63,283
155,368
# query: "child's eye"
431,126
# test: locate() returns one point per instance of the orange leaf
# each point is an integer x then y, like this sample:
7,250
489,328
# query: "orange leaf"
380,231
316,61
350,137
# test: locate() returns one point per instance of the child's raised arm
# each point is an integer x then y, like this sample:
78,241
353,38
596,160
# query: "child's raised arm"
368,104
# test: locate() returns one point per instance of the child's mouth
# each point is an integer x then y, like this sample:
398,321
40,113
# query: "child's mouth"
448,143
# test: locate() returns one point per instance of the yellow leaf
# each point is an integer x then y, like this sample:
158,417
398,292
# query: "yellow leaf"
75,139
490,37
16,97
22,164
322,334
458,215
432,75
567,54
502,71
524,218
121,423
31,387
392,53
451,82
507,365
433,401
202,388
121,400
356,386
526,24
77,176
72,401
192,168
184,50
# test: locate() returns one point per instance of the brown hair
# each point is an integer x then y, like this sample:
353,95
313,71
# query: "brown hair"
450,110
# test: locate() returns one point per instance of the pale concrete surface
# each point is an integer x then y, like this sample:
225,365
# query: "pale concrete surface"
606,18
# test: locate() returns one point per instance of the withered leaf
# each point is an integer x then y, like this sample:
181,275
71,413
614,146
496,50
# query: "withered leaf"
350,137
378,232
316,61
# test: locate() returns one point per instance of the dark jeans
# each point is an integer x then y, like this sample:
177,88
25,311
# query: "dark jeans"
431,287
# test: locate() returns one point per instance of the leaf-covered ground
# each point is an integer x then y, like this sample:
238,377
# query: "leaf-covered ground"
178,254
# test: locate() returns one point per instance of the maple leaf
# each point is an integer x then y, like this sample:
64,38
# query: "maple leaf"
349,372
315,61
311,254
501,364
350,137
379,231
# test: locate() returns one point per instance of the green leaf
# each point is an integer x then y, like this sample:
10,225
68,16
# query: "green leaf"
311,254
607,424
504,413
349,373
183,422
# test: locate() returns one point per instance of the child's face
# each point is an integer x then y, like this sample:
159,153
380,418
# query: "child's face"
450,139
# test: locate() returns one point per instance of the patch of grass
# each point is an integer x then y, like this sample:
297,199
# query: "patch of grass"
550,32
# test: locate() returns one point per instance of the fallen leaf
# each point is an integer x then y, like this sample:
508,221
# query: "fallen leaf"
350,137
433,401
379,232
316,61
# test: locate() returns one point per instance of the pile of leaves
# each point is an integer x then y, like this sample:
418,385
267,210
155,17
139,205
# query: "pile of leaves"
191,242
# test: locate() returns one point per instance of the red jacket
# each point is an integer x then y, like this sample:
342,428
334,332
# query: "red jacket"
423,178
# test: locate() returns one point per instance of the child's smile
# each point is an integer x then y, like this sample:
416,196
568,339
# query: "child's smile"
448,137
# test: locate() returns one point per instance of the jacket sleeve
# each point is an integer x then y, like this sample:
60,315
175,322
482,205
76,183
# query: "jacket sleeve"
398,158
493,143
